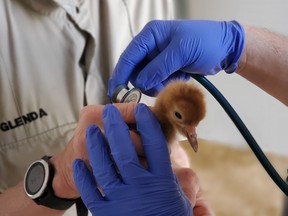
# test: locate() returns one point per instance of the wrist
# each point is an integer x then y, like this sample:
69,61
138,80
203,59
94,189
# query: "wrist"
243,58
236,53
38,182
63,183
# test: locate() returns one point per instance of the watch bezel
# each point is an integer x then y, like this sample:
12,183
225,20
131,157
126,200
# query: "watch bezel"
44,183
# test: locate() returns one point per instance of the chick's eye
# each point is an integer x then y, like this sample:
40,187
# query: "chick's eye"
178,115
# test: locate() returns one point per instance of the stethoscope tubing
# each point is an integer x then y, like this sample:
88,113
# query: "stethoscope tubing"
244,131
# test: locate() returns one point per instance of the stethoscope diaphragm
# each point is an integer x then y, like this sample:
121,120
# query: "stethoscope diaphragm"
123,95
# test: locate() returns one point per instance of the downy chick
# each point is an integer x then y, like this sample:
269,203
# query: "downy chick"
179,107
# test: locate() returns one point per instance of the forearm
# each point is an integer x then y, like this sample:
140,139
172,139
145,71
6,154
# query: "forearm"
264,62
14,201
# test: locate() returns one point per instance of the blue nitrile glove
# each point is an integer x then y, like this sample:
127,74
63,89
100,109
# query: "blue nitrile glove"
136,190
169,49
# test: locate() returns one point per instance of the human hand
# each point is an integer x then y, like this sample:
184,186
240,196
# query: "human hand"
133,190
166,50
190,185
63,182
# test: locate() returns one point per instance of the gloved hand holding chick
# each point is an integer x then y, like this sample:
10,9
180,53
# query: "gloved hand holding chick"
130,188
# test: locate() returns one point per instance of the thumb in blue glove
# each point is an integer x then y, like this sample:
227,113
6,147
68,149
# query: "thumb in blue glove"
136,190
166,50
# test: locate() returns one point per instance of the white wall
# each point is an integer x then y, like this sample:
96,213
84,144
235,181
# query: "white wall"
266,117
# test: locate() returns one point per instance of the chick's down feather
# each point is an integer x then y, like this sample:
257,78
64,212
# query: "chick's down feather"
179,107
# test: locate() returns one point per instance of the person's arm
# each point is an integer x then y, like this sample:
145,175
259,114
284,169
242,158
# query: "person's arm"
264,62
14,202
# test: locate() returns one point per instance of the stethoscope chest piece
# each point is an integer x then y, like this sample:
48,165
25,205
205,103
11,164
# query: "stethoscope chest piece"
123,95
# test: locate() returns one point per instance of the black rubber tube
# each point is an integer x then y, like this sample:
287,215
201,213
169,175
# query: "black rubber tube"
244,131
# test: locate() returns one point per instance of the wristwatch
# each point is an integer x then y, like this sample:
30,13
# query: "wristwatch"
38,185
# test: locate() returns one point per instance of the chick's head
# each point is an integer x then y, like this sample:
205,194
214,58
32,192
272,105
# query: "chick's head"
183,106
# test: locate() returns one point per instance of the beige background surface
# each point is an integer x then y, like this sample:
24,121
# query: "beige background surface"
234,181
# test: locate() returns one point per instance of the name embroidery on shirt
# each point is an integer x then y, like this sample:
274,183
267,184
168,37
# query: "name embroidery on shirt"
22,120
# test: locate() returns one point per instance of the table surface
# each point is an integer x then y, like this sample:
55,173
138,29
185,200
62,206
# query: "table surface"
233,180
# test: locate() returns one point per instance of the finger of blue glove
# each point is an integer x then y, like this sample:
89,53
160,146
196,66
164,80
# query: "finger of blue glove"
102,165
154,142
85,183
122,148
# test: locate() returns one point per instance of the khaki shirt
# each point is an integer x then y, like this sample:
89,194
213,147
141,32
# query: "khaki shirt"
56,57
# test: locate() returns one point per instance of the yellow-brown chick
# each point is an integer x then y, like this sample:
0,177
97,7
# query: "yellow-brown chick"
179,107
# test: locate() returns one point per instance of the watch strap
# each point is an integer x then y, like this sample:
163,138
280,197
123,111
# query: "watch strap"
51,201
48,198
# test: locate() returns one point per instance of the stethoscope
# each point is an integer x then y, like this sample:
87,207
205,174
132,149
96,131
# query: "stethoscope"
244,131
123,95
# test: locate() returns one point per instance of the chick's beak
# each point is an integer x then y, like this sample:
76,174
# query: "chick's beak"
190,133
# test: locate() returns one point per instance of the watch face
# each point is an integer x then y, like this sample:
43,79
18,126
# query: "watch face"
36,178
